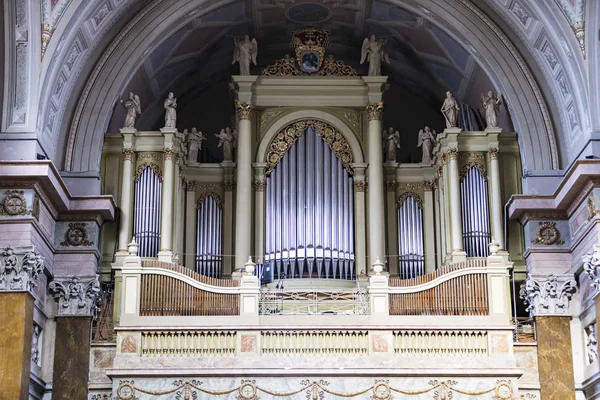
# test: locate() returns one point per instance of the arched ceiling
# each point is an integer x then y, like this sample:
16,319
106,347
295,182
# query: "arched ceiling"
425,60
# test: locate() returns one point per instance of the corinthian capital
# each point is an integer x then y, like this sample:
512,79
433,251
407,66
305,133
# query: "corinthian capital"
548,295
244,109
591,266
76,296
20,268
374,111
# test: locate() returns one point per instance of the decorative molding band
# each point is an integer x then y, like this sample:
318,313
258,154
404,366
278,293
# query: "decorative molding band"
375,111
410,186
244,109
472,156
76,297
548,295
149,156
21,267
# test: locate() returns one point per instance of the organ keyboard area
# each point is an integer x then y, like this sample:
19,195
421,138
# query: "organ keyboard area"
312,202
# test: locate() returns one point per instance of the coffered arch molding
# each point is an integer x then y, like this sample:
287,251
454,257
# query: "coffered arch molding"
83,131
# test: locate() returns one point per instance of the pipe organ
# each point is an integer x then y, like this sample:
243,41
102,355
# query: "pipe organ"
209,223
475,211
410,236
147,210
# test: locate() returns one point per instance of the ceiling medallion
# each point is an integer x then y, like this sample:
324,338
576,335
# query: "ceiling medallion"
308,13
309,45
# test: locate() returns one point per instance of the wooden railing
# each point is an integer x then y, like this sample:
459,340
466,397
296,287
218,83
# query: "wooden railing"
456,289
191,273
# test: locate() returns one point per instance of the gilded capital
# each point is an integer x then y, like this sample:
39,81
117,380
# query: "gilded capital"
374,111
244,109
390,186
127,154
228,186
190,186
452,154
260,186
360,186
428,185
493,153
169,154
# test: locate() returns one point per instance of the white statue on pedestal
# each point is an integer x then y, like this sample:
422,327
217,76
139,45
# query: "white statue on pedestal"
194,142
491,105
227,139
170,111
133,107
392,142
450,110
245,52
373,50
426,139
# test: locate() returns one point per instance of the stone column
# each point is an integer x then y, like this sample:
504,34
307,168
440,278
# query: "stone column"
78,300
548,299
376,192
360,226
190,225
227,218
166,221
126,189
458,253
259,212
16,309
496,198
428,226
243,203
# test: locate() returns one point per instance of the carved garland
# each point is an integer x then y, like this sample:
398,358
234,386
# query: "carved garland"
140,169
205,195
77,235
404,196
467,167
287,67
284,140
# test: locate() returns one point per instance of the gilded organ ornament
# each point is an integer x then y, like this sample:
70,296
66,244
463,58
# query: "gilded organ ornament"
374,111
14,203
548,234
155,168
244,109
284,140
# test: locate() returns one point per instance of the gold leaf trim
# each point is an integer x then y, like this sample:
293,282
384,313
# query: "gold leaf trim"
287,67
140,169
467,167
205,195
404,196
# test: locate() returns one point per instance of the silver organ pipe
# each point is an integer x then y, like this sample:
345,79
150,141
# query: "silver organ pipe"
209,216
146,213
475,213
410,238
310,212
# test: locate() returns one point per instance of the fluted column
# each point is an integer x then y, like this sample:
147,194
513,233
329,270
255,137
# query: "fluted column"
166,223
455,204
376,193
496,198
243,202
429,228
126,189
190,225
259,212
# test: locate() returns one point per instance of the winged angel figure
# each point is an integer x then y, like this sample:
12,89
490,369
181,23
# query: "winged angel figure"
227,139
373,50
245,52
133,107
426,139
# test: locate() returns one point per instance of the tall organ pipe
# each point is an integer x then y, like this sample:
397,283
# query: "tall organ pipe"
146,214
475,212
410,239
309,202
209,217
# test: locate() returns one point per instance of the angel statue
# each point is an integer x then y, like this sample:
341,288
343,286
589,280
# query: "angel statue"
171,113
373,50
491,106
392,142
133,107
450,110
194,143
227,139
183,137
426,139
245,52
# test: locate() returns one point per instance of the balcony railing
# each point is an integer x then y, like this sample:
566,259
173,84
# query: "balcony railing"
324,302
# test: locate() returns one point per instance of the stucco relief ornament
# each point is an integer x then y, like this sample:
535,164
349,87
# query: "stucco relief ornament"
373,50
591,343
76,297
548,295
426,139
245,52
35,344
14,203
392,142
77,235
20,268
591,266
133,107
548,234
170,111
450,110
227,140
491,105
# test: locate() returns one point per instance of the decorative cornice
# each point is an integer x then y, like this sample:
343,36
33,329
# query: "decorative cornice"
493,153
244,109
76,297
374,111
128,154
548,295
20,268
168,154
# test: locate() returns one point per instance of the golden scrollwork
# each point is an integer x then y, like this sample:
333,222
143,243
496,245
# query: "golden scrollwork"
404,196
205,195
14,203
244,109
493,153
472,156
287,67
155,168
452,154
428,185
547,234
353,119
410,186
168,154
149,156
374,111
467,167
128,154
266,119
284,140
